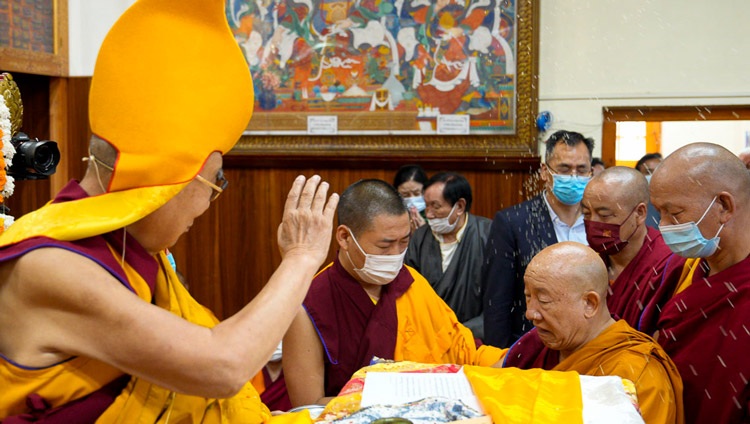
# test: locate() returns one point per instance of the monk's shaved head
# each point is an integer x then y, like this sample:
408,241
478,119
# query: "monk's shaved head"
704,168
625,186
571,264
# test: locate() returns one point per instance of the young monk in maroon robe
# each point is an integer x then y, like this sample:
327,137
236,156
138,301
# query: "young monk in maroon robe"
368,303
702,313
574,331
615,211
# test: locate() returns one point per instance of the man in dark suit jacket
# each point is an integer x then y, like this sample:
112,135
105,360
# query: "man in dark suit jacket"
521,231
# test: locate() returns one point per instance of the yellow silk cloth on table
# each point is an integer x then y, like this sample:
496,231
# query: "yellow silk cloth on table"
508,395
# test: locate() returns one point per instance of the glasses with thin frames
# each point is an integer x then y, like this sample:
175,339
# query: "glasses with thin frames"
571,172
218,188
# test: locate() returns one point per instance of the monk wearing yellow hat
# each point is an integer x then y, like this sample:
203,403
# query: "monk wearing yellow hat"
94,324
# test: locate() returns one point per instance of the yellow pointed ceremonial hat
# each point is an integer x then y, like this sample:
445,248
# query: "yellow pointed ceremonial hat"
170,87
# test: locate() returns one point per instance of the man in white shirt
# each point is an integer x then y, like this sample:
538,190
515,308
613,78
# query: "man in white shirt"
521,231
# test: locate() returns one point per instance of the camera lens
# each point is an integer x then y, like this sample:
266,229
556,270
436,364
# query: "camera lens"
46,157
34,159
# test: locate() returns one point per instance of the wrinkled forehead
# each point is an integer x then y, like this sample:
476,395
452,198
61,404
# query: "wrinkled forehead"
675,190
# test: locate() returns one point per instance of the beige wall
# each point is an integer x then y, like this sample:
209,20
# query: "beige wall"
598,53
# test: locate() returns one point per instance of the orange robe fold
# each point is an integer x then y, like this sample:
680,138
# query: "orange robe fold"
619,350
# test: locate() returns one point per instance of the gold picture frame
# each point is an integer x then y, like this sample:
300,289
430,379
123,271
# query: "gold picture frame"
34,37
385,133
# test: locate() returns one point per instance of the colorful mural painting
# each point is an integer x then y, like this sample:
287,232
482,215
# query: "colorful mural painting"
390,66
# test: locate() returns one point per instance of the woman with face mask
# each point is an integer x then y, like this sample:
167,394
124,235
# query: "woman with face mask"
409,182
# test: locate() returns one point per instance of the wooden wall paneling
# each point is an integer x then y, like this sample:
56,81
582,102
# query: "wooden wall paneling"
54,109
609,143
59,130
78,134
35,95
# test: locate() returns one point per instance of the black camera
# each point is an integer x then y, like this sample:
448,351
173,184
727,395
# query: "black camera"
34,159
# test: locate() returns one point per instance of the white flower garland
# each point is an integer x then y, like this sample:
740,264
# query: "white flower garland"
8,152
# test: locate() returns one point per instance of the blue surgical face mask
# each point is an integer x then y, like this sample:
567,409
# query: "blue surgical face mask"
687,240
416,201
648,178
569,188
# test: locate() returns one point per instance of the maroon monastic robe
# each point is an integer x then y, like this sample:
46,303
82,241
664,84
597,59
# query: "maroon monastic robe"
638,281
347,320
705,329
275,395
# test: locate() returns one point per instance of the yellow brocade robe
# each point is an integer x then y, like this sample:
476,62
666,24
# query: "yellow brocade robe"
429,332
619,351
144,402
140,401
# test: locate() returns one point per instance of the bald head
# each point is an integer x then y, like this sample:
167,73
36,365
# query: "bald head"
566,290
573,265
621,185
744,156
703,169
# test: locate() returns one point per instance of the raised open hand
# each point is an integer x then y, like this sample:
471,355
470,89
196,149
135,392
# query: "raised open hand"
307,225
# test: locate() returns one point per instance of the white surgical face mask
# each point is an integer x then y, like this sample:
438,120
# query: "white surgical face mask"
443,225
378,269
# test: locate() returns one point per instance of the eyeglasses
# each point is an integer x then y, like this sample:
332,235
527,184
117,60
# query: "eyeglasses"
566,170
218,188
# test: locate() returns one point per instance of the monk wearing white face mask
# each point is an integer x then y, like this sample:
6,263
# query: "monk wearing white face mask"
367,301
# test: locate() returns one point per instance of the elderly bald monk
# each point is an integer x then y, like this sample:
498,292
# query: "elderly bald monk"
702,312
615,212
94,323
574,331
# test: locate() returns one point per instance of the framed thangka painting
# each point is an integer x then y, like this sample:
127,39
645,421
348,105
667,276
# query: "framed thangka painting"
34,36
389,76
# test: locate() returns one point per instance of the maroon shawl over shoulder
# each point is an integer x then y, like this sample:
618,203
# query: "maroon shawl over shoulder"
705,329
94,248
351,327
638,281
